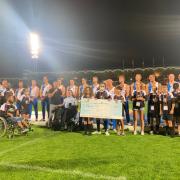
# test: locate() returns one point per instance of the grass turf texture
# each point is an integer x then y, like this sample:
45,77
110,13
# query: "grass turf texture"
45,154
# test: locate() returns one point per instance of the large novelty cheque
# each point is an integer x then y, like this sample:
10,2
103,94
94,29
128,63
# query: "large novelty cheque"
101,108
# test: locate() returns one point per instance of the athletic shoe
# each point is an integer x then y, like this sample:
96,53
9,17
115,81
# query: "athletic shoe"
118,133
107,133
96,132
123,134
151,132
142,133
135,132
115,130
24,130
129,124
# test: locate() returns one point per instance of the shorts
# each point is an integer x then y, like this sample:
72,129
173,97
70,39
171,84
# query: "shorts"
138,109
15,119
167,117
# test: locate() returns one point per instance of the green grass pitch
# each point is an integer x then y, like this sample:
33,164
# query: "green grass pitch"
46,155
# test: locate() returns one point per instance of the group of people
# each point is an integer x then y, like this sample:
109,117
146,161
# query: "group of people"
163,101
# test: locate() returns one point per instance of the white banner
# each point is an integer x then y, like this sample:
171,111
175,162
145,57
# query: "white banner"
101,108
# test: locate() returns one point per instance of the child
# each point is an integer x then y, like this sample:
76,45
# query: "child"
102,94
11,112
88,93
154,110
25,104
119,95
167,109
176,94
138,98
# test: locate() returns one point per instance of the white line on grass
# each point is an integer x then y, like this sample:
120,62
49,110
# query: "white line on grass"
21,145
61,171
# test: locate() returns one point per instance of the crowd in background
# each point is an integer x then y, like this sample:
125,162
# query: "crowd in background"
162,99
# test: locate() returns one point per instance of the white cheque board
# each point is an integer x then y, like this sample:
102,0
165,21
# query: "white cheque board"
101,108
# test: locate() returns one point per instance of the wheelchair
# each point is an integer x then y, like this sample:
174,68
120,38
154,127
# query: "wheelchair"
10,129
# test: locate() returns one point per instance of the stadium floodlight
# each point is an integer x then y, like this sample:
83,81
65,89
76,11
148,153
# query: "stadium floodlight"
34,45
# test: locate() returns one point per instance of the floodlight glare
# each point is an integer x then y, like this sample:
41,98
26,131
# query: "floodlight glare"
35,45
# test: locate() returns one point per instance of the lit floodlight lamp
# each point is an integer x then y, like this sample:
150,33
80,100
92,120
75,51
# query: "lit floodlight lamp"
34,45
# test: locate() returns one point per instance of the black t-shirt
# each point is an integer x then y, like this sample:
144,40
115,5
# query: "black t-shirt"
57,98
177,103
102,95
25,102
166,103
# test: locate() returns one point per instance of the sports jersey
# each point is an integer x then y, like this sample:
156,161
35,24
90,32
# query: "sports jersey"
33,91
19,93
177,103
9,108
25,103
45,89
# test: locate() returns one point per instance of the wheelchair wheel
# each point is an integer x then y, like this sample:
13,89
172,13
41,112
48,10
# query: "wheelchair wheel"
3,127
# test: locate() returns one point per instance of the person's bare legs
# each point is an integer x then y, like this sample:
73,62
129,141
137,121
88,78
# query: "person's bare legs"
135,112
122,126
142,121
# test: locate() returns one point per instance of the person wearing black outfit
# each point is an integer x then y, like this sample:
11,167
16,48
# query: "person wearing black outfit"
176,116
167,109
55,98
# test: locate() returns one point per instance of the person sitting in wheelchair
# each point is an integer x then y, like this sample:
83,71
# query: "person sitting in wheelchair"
70,109
11,113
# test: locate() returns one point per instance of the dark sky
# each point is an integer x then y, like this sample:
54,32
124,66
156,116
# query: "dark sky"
89,34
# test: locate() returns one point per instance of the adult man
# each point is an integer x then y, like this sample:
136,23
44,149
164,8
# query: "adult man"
95,84
55,99
125,88
44,96
34,94
18,94
171,81
73,88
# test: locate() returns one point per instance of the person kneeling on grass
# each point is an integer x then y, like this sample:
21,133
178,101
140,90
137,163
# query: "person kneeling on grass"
10,111
167,109
88,126
138,98
120,123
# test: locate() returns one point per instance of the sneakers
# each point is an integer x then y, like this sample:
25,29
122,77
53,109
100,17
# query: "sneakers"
129,124
96,132
151,132
142,133
115,130
135,132
107,133
123,134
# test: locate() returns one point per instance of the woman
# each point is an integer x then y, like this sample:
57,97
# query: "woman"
88,93
138,98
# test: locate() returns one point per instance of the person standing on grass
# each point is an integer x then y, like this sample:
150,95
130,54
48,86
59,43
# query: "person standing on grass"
44,96
138,98
167,109
171,79
154,109
95,84
126,89
34,94
152,90
61,87
18,94
110,88
102,94
176,116
120,96
55,99
82,87
73,88
88,126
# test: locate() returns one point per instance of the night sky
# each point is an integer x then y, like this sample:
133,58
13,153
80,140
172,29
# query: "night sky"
89,34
